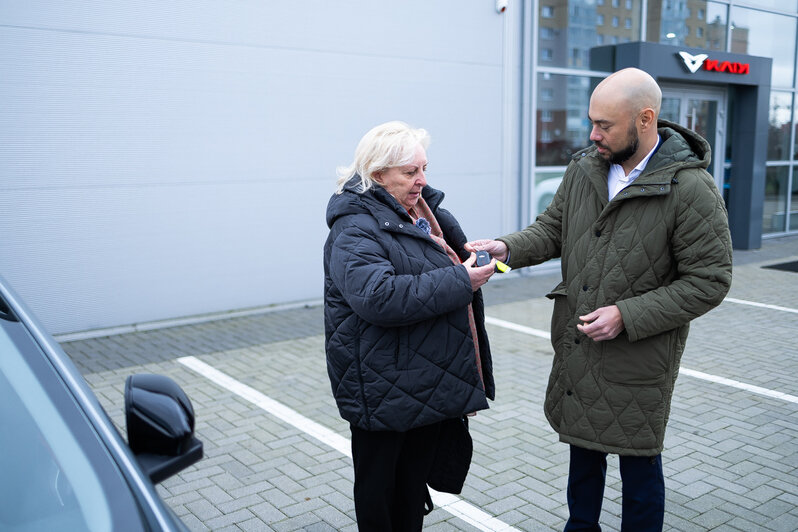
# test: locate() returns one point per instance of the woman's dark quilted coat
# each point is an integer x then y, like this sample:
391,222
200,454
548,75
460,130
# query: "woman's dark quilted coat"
399,349
661,251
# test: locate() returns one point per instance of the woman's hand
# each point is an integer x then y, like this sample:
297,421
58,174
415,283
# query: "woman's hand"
479,275
497,249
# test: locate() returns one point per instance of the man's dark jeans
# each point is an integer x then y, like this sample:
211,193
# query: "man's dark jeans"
643,491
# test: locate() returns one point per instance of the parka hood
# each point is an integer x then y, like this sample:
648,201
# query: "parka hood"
681,145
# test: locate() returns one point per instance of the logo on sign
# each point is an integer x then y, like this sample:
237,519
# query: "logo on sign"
695,62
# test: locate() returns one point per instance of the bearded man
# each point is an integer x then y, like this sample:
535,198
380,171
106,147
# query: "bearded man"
644,239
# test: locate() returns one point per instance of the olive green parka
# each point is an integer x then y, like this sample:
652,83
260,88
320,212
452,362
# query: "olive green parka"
661,251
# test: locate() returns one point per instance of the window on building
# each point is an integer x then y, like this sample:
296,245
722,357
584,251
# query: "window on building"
666,23
599,39
779,123
576,57
792,224
546,54
779,5
616,3
581,32
774,212
564,118
765,34
629,4
547,11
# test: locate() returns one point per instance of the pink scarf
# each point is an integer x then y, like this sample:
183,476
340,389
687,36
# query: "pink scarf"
422,210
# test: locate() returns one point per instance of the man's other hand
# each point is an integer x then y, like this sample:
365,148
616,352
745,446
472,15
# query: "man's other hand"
604,323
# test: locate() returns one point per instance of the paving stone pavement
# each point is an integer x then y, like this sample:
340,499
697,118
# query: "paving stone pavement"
730,459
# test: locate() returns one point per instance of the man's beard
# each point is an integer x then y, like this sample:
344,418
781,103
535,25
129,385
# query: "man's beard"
620,157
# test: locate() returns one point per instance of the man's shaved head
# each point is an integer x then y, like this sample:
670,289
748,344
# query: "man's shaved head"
623,110
632,88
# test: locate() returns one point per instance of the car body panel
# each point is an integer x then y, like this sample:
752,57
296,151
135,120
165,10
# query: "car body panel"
70,462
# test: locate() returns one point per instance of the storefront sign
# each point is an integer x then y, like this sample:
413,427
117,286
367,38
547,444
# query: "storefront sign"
695,62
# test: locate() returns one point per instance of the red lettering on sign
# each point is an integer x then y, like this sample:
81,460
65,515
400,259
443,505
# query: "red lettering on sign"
714,65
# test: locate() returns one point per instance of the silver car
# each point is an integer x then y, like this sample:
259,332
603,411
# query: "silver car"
63,464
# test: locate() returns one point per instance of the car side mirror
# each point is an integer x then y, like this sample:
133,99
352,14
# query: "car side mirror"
160,425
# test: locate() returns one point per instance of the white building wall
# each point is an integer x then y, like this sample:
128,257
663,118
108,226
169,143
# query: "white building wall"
167,159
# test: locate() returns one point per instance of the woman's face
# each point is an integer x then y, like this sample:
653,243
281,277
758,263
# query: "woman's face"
405,182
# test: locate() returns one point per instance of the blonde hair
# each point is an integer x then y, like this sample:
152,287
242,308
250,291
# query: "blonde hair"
385,146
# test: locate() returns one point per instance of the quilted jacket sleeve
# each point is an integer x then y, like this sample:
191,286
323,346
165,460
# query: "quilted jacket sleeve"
542,240
701,246
361,269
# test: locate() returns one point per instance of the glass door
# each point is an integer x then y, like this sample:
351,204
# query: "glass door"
703,111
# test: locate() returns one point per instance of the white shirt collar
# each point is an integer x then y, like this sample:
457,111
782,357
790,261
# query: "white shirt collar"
617,179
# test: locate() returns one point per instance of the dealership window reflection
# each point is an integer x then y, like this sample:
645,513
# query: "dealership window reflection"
694,23
793,208
765,34
570,28
774,212
561,123
779,121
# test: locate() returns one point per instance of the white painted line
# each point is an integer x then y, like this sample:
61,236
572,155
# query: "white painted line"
760,305
741,385
451,503
692,373
279,410
470,514
515,327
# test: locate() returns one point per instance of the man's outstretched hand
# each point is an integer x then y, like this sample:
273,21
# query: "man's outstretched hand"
497,249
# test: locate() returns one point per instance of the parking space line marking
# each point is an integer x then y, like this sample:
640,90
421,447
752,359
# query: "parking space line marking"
741,385
515,327
448,502
760,305
691,372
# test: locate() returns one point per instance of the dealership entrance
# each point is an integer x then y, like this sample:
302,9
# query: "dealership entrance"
702,110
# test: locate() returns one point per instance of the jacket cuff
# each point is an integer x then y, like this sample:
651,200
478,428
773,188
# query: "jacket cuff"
628,321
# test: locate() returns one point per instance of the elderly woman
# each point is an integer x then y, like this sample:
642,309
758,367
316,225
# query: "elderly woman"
404,322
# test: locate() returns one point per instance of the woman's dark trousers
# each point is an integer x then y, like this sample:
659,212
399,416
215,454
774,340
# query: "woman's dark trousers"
391,470
643,491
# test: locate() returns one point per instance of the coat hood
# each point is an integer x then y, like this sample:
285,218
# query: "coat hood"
680,145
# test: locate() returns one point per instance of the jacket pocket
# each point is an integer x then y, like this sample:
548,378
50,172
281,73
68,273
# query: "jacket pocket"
559,316
646,361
